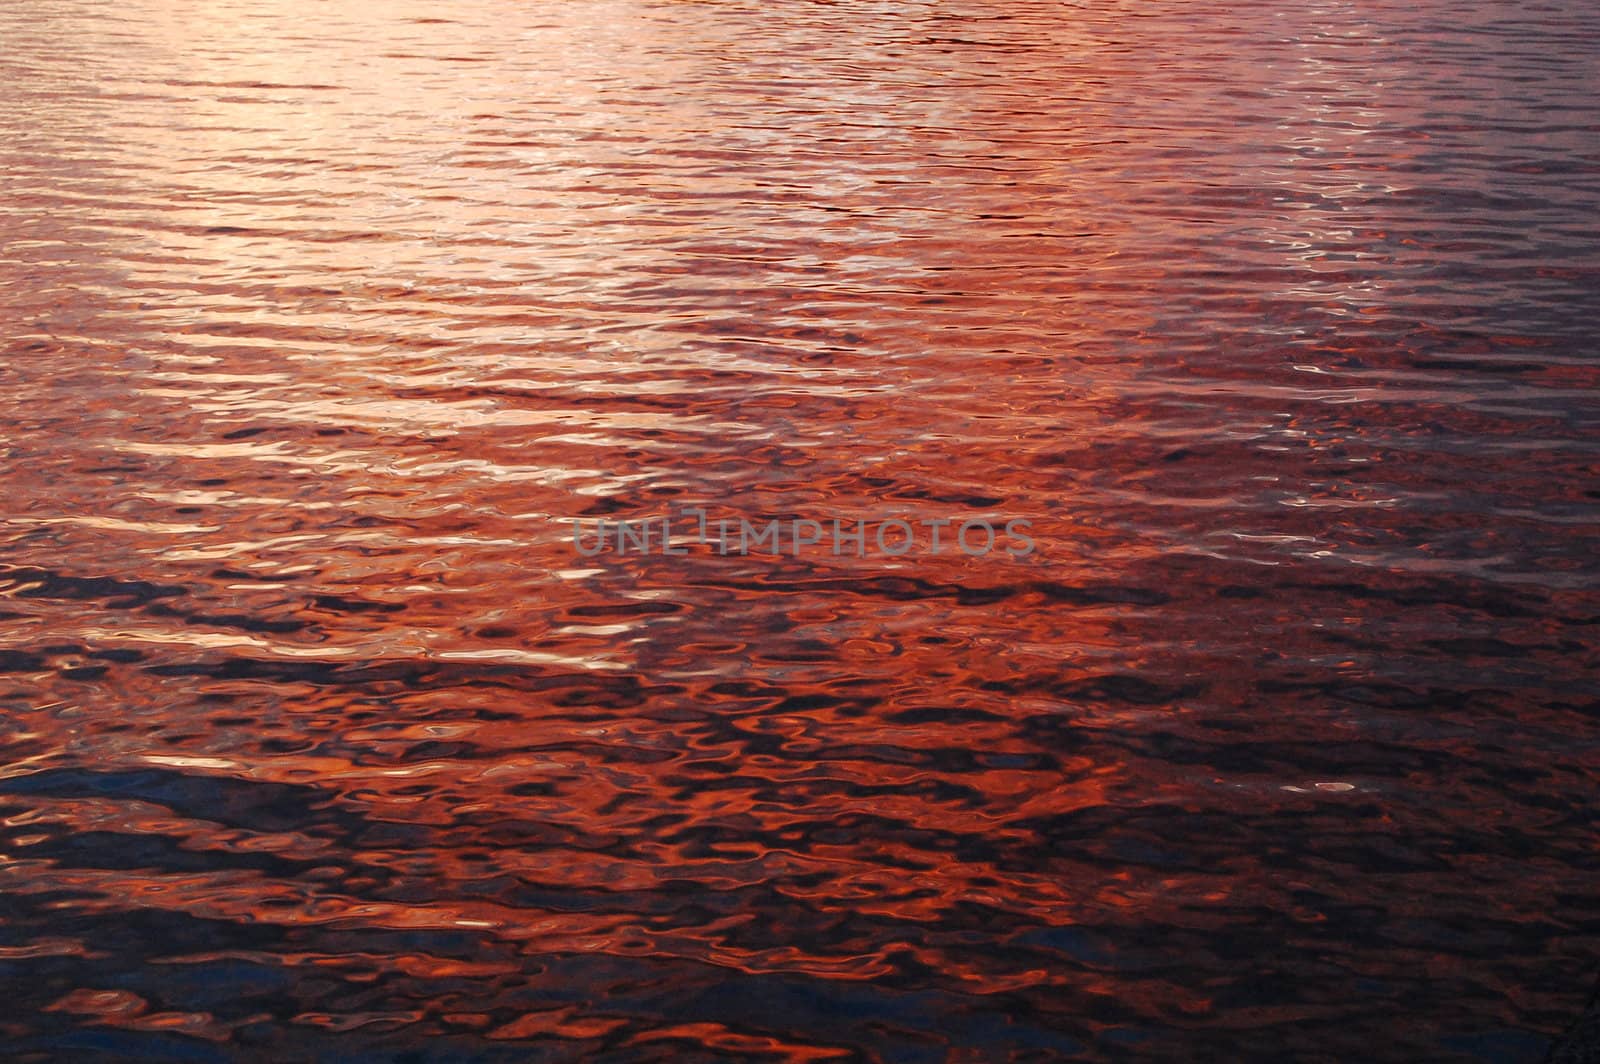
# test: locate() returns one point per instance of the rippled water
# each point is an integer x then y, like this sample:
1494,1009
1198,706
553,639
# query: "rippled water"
322,741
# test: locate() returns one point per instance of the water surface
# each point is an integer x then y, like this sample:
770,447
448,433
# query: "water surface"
1276,320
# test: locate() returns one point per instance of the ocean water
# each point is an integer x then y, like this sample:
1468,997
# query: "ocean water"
322,739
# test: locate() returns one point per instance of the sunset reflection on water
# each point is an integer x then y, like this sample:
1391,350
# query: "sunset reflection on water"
324,322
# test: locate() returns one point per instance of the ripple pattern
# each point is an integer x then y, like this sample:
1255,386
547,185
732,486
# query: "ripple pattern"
320,740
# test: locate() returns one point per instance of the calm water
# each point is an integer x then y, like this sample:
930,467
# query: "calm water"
1277,320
